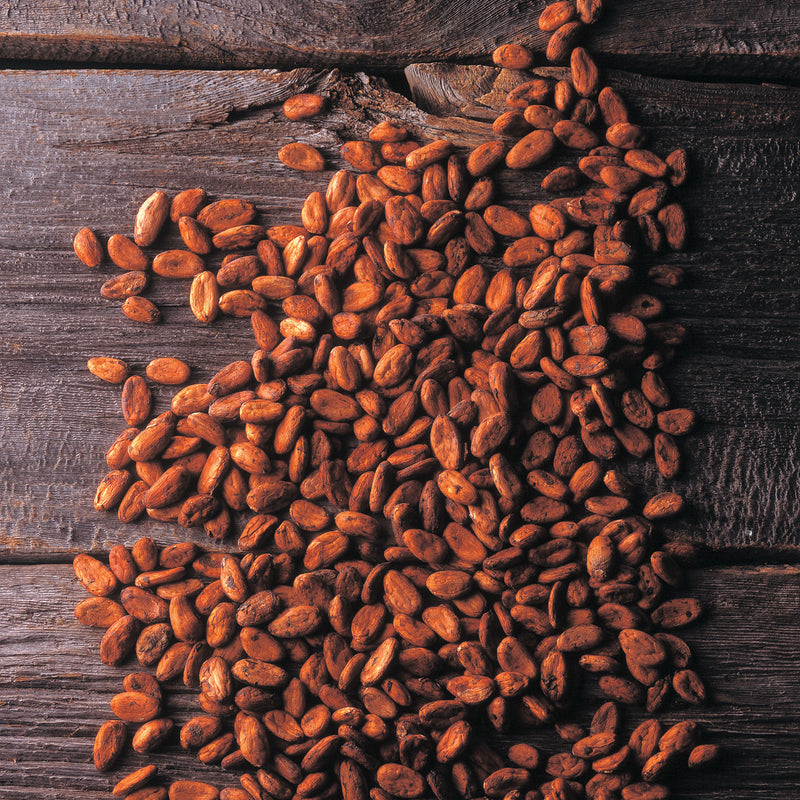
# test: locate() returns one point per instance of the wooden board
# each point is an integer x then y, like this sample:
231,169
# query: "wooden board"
86,147
54,693
730,38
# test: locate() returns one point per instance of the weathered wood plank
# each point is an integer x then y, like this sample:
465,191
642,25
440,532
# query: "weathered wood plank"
54,693
677,37
86,147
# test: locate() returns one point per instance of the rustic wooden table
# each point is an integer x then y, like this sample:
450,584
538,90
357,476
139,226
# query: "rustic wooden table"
96,116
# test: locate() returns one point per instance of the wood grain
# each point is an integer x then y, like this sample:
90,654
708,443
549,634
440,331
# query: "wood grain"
86,147
54,693
729,38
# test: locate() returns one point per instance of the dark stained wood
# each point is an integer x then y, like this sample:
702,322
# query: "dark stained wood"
54,693
731,38
86,147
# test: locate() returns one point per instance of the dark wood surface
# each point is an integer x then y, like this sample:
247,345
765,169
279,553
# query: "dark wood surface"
105,139
55,694
747,40
85,146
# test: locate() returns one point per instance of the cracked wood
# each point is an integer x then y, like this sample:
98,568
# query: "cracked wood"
103,140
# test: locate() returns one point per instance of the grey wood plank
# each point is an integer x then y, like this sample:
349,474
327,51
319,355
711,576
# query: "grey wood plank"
731,38
54,693
86,147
